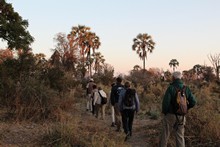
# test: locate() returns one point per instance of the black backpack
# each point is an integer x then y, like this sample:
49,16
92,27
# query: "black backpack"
129,98
103,99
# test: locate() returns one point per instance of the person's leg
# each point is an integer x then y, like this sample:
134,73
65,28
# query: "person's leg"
124,116
96,110
113,116
179,133
117,117
91,103
88,102
168,122
103,111
130,121
93,107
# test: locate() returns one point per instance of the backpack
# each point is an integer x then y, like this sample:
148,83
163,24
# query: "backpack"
118,91
103,99
129,97
181,102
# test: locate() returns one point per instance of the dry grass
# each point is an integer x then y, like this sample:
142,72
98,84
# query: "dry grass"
70,125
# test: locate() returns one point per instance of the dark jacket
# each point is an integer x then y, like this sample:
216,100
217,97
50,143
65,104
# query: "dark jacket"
170,95
114,93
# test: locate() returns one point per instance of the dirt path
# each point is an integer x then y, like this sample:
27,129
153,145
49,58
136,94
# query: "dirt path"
145,131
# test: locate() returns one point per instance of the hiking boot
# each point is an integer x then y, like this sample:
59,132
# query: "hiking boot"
127,136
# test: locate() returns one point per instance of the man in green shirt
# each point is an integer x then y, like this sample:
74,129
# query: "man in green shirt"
171,119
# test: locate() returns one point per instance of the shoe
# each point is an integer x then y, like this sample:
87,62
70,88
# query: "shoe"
113,124
118,130
127,136
130,133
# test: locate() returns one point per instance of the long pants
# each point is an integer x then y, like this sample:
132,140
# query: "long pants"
127,120
98,108
113,114
117,116
169,121
89,102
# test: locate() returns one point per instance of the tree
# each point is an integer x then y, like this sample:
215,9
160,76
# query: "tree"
143,43
5,54
62,43
13,29
55,59
99,59
208,74
67,52
92,43
136,68
82,38
197,69
174,63
77,38
215,61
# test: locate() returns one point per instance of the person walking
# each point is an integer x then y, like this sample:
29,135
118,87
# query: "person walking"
89,89
97,102
103,95
115,92
111,103
129,104
171,119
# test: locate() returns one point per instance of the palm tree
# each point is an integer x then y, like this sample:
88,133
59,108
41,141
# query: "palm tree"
174,63
93,43
77,39
82,38
98,58
143,43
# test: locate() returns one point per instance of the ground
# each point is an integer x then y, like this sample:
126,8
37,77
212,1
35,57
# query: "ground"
19,134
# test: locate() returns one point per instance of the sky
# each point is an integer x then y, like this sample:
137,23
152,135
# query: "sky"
186,30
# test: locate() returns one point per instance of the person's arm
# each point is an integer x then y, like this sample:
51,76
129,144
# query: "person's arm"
112,96
87,89
191,98
166,101
95,98
137,103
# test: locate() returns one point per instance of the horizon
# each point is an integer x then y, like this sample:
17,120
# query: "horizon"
187,31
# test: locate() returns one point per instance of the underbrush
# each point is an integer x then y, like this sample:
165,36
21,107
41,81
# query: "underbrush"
77,132
203,121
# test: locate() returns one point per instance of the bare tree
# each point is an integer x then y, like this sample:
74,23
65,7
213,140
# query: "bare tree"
215,61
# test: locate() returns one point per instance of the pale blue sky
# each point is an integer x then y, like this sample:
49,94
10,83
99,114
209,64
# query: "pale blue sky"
186,30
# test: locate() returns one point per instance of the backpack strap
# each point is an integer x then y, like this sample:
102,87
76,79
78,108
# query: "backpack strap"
178,122
100,94
182,89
